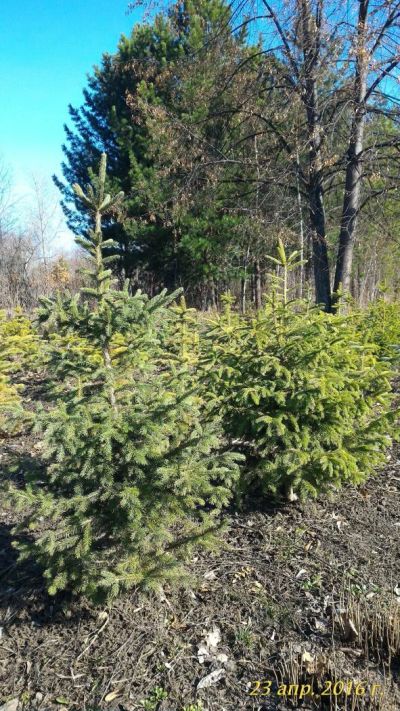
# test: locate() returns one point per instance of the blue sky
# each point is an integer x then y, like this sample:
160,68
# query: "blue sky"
47,47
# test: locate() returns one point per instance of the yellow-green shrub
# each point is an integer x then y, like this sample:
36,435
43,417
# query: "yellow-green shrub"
380,324
18,350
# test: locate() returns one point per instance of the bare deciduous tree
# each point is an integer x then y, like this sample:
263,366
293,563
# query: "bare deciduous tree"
375,48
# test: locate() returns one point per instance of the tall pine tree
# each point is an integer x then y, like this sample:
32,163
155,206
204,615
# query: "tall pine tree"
156,247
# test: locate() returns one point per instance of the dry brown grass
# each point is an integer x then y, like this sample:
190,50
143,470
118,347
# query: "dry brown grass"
373,625
327,671
365,630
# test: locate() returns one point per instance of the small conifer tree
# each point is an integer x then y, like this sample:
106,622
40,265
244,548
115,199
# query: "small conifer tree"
380,324
10,405
136,474
301,394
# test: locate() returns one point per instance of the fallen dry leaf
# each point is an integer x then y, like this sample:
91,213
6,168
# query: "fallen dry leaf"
211,679
256,587
11,705
313,664
349,629
208,648
223,658
113,695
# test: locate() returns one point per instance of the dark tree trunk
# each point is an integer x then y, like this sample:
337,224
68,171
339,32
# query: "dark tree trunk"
309,262
319,246
213,294
311,45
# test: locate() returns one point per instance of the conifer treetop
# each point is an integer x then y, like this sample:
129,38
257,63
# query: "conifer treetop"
98,203
96,199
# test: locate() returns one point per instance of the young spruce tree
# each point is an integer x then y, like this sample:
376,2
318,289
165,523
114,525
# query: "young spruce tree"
301,393
136,473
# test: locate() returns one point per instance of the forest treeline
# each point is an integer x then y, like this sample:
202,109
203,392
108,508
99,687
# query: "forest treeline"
228,128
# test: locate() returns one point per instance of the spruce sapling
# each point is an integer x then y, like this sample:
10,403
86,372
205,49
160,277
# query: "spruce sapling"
135,470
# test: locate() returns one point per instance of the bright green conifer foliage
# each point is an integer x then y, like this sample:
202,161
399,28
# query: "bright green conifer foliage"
18,351
380,323
136,473
300,394
10,405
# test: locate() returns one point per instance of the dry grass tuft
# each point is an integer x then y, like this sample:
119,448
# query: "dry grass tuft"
373,625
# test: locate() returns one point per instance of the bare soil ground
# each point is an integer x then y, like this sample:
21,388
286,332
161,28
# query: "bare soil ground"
308,594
